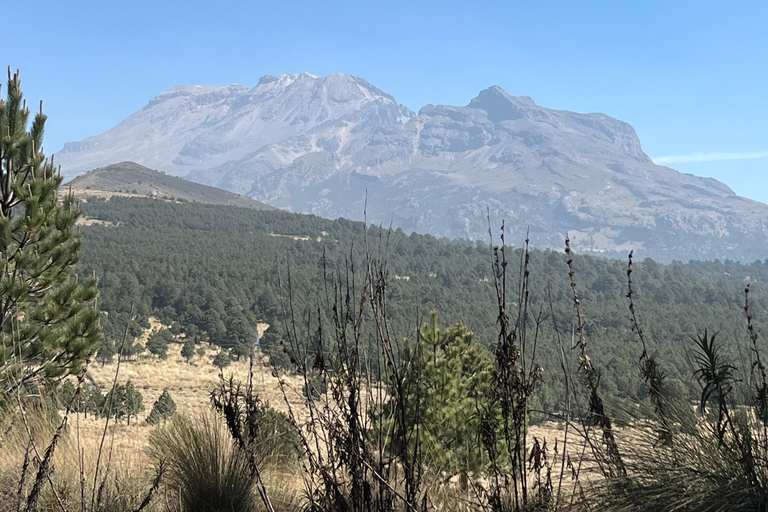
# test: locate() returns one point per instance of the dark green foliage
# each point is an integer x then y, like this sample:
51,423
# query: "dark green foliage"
123,401
92,400
163,409
131,348
176,328
188,349
239,337
222,360
315,387
106,350
240,350
89,401
216,268
49,324
272,346
190,330
447,376
158,342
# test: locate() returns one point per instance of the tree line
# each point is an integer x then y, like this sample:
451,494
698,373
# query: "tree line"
214,272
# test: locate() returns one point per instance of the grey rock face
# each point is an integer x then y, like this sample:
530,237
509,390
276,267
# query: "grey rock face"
317,145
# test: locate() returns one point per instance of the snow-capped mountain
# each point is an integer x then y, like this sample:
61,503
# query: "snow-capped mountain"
319,144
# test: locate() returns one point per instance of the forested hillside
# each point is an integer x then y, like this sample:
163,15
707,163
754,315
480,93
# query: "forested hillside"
215,271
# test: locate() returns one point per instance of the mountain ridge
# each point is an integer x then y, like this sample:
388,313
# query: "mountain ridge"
133,179
323,144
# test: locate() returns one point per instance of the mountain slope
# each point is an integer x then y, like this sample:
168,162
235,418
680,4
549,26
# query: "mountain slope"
320,145
135,179
199,128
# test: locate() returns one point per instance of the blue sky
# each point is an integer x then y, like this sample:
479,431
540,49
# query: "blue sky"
689,76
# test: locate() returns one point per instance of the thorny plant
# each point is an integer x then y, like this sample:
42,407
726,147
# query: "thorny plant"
760,385
242,410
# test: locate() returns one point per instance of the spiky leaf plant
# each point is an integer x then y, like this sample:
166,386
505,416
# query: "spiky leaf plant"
716,460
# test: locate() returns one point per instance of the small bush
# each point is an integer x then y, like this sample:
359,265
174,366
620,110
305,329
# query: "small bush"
158,343
222,360
163,409
188,349
203,466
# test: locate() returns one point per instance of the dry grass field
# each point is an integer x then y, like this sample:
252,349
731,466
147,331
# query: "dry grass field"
125,457
189,384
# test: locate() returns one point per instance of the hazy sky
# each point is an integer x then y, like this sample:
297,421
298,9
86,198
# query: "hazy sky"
689,76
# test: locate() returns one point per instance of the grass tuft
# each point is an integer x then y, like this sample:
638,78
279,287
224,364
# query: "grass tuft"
204,468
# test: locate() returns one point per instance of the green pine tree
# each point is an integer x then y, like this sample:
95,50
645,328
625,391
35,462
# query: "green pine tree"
222,360
106,350
446,375
158,343
163,408
188,349
123,401
92,400
130,348
49,324
134,401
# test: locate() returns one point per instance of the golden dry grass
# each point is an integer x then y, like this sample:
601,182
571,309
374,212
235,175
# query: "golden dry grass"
124,457
190,384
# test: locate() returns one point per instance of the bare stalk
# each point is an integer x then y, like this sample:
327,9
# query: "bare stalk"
614,464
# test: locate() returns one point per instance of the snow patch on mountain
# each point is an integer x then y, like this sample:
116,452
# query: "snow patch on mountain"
320,144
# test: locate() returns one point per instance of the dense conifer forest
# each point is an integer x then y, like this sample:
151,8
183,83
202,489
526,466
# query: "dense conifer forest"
215,271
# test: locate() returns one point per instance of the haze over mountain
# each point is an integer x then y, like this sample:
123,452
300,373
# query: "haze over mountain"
317,144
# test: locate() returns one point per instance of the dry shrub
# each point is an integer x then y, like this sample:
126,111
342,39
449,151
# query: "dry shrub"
123,484
204,468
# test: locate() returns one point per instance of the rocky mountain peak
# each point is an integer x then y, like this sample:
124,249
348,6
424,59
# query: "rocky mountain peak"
285,79
323,144
501,106
336,87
